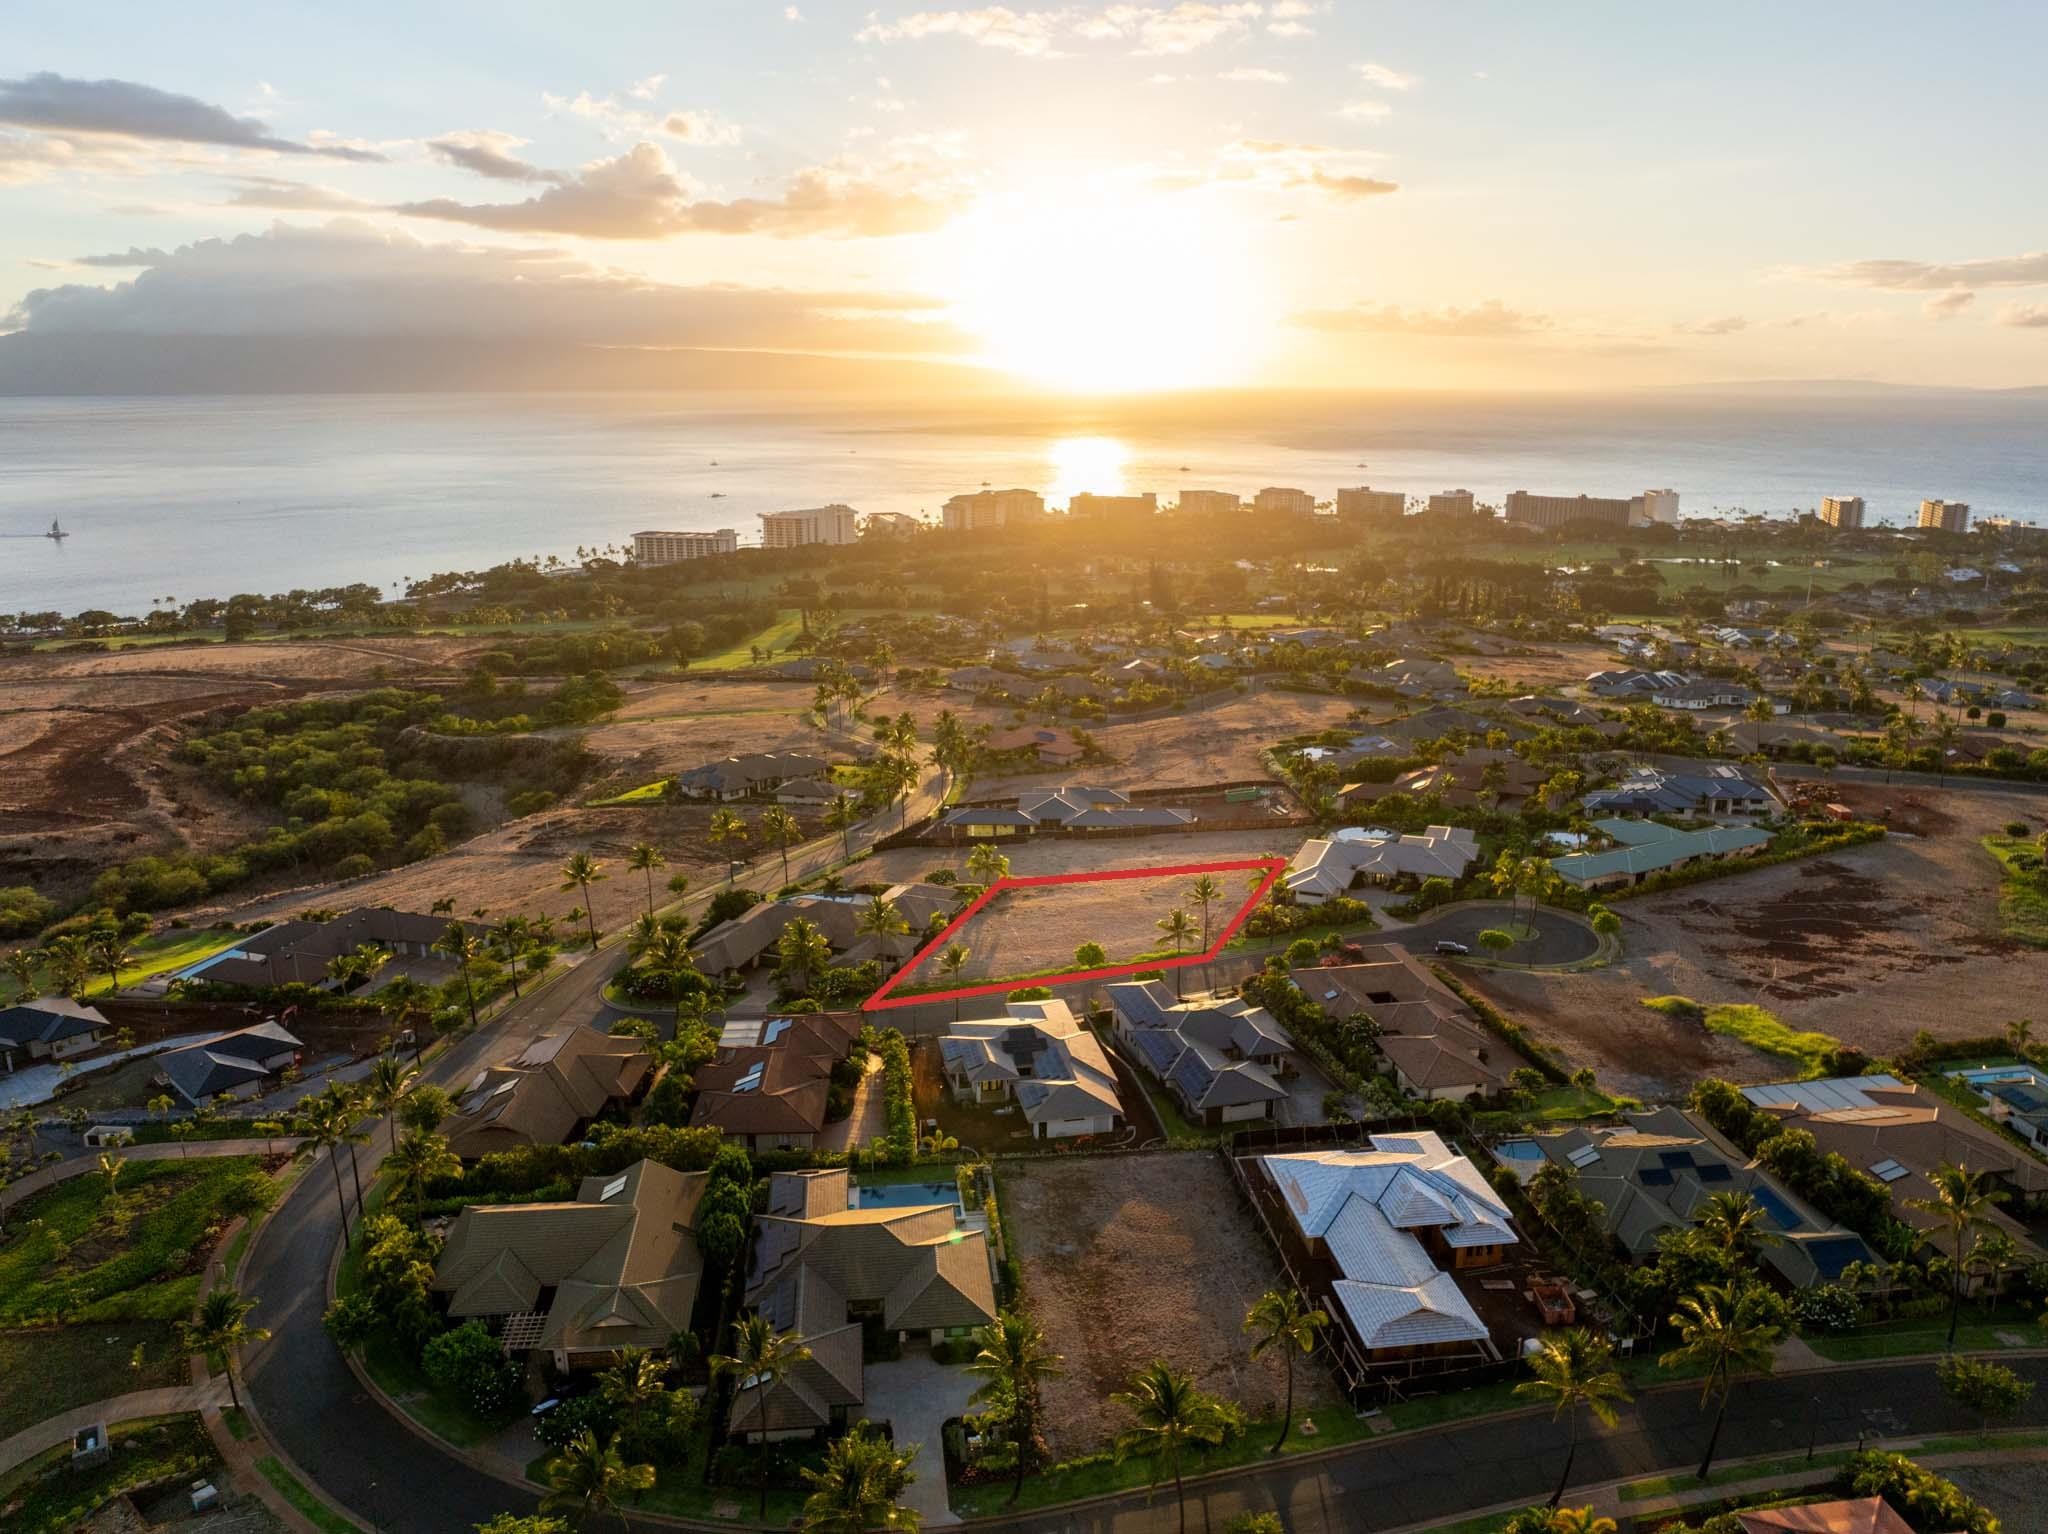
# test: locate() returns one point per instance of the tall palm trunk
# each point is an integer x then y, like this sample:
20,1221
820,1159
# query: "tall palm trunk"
1180,1495
1287,1414
227,1367
1955,1293
1713,1438
340,1196
761,1471
1571,1453
650,891
590,916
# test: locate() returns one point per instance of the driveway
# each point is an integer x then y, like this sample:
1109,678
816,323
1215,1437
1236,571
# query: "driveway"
915,1396
1561,938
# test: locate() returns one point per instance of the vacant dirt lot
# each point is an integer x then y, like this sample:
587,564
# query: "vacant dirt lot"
1031,931
1869,945
1563,665
1131,1258
1076,854
1212,745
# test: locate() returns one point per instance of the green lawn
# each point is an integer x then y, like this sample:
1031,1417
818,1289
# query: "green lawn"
146,1451
1977,1333
54,1368
2023,896
1568,1103
1723,1475
646,793
168,950
82,1254
787,625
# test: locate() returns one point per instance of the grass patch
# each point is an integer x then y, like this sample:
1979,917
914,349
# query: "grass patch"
1756,1027
308,1506
168,950
1724,1475
1096,1475
149,1451
78,1253
1977,1333
646,793
776,636
237,1422
2023,896
52,1369
1569,1103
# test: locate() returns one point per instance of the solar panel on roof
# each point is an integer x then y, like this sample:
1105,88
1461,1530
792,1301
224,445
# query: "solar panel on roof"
1584,1156
1781,1213
1887,1170
1831,1254
1714,1171
1655,1177
1675,1159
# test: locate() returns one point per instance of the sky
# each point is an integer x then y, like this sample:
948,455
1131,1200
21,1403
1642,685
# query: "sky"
1093,196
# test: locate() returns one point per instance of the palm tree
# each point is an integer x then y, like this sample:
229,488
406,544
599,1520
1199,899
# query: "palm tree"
1277,1318
220,1330
1205,892
645,857
510,941
1013,1358
1171,1414
1723,1328
387,1085
727,830
802,950
579,873
329,1123
986,864
1575,1368
465,948
842,815
1178,927
669,957
112,948
1962,1200
111,1167
1734,1222
590,1476
780,831
857,1489
760,1359
635,1381
70,961
881,920
951,962
1995,1254
21,964
420,1157
1580,1520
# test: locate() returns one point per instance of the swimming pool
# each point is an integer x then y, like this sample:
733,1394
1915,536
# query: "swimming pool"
1519,1156
1993,1075
905,1195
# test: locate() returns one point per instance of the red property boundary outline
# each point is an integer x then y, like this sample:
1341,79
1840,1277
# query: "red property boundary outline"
882,1001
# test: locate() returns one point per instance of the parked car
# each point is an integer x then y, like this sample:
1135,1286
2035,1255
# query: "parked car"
1445,945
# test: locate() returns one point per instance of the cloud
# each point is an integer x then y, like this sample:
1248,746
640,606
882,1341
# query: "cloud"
645,90
1153,29
51,103
292,196
2030,270
1365,111
1946,306
349,279
1491,318
1254,76
791,13
1285,18
620,121
1725,325
641,196
489,154
1386,79
2024,316
1353,187
132,256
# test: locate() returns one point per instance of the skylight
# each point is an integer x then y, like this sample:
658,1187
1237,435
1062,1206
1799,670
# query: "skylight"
752,1079
1584,1156
1887,1170
612,1189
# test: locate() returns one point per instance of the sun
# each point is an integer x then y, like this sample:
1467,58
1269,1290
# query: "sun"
1092,293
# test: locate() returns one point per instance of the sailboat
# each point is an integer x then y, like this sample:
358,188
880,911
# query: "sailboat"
56,533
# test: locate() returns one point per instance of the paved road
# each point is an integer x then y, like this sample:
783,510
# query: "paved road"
309,1403
1560,938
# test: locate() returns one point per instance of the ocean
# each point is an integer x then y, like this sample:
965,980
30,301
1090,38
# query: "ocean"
174,498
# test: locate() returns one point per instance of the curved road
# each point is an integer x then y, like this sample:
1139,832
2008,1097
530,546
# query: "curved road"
308,1401
1560,938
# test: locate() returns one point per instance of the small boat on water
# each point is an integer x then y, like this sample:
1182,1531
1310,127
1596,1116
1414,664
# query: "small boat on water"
56,534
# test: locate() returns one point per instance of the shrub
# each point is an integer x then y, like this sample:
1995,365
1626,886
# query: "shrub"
23,911
592,1411
467,1365
1828,1308
1928,1501
2016,828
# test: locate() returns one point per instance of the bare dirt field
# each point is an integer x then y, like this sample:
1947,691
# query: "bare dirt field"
1561,665
1131,1258
669,727
1076,854
1035,931
1869,945
1213,745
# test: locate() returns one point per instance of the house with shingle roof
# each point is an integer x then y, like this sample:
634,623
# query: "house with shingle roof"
49,1028
1223,1058
736,777
750,936
770,1092
1654,1172
297,952
247,1057
549,1092
823,1271
1864,1515
1327,866
1717,789
618,1267
1042,1058
1646,847
1388,1219
1438,1050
